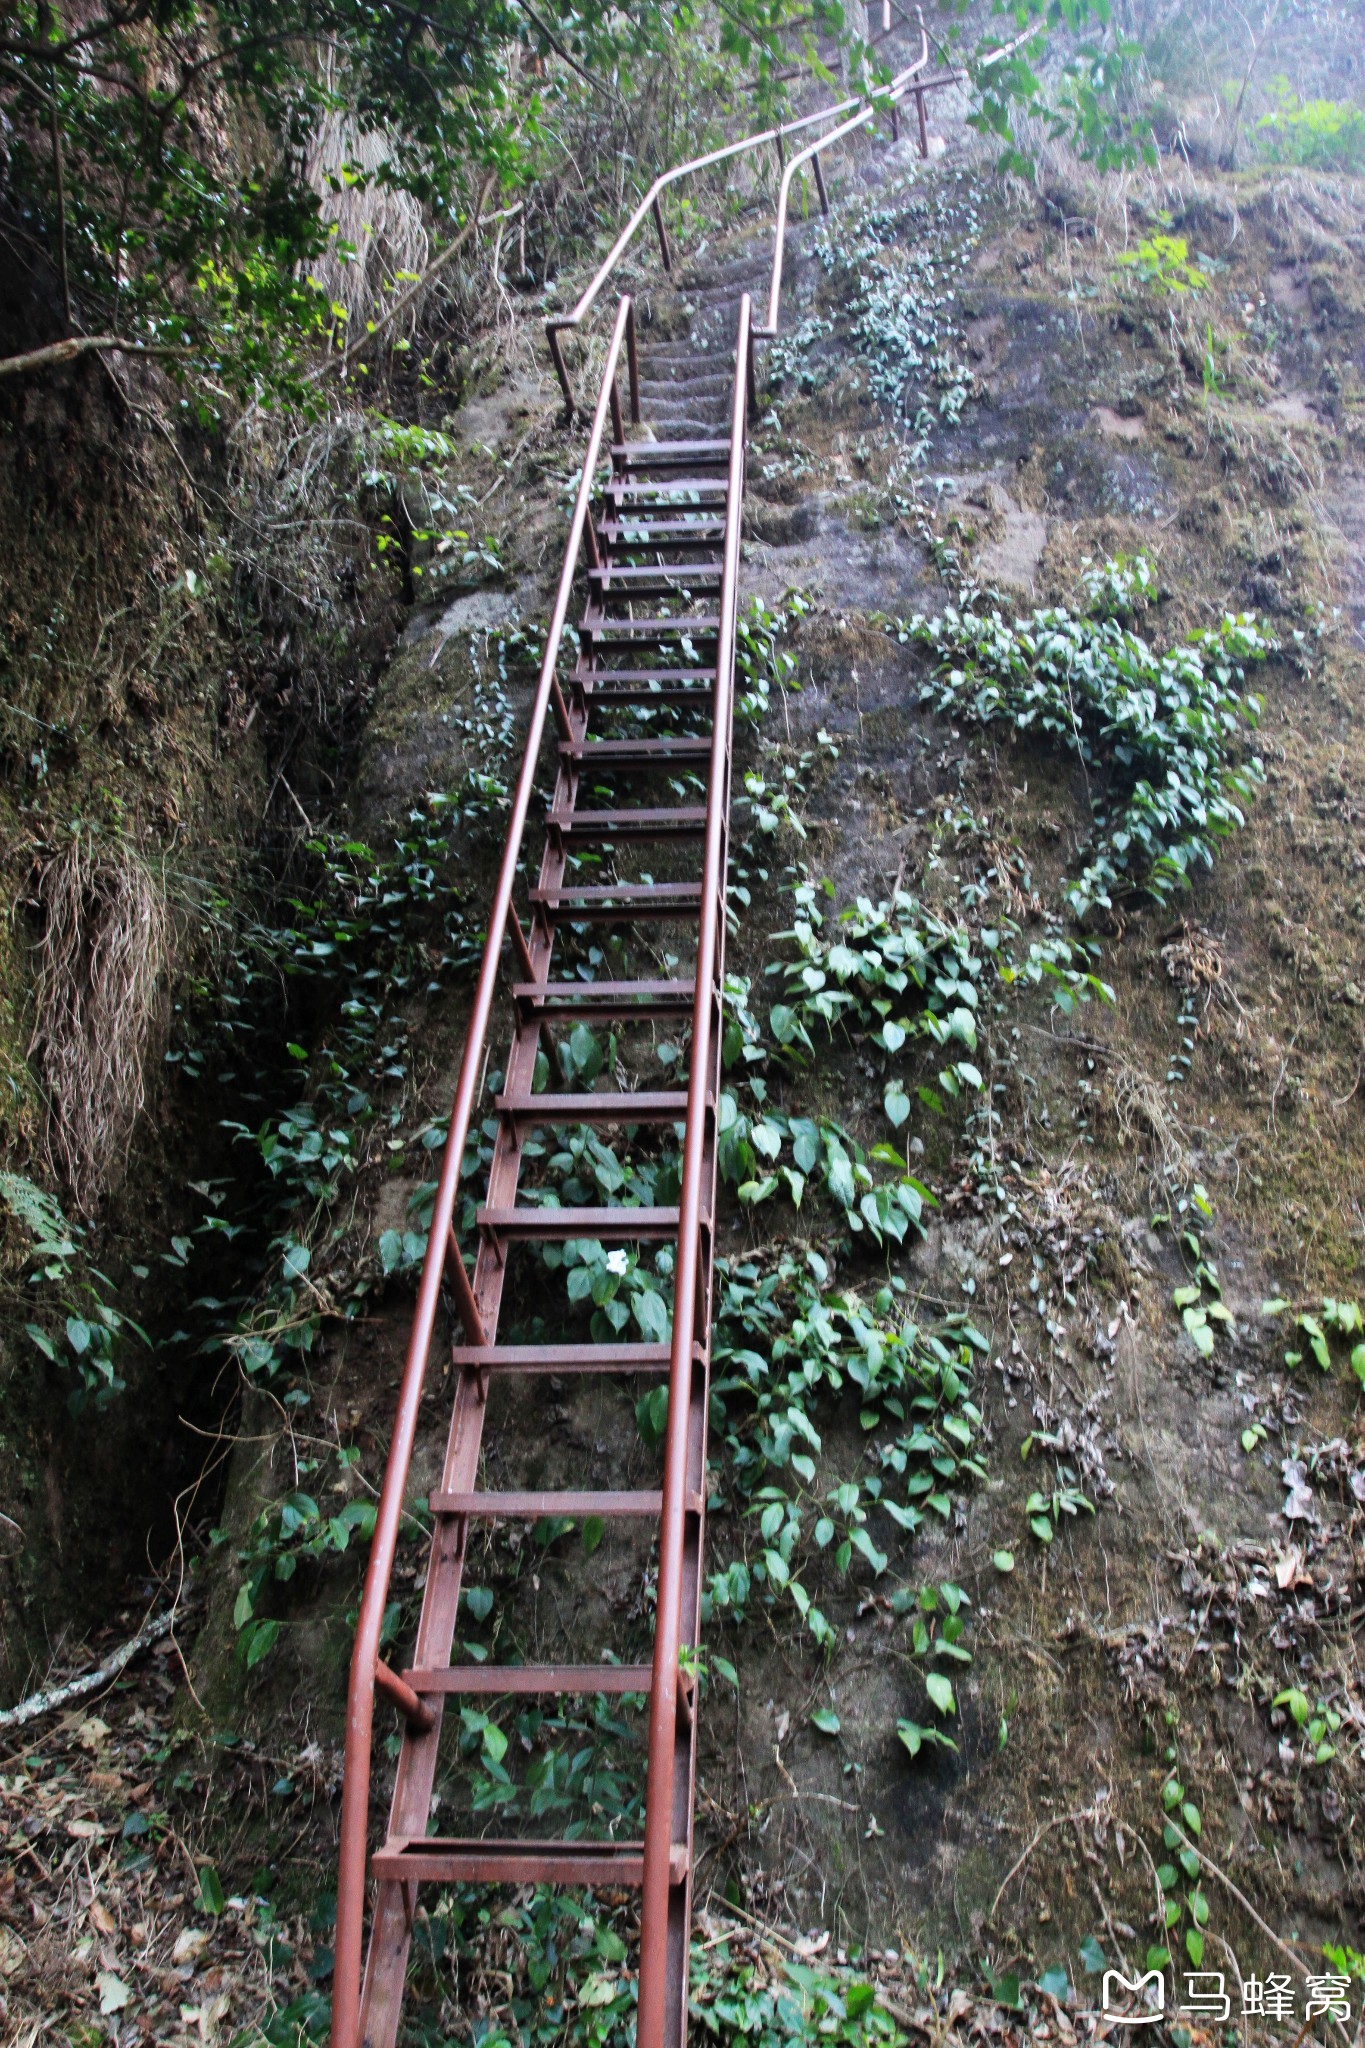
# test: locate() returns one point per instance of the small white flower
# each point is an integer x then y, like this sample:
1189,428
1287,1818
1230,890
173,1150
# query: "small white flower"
618,1263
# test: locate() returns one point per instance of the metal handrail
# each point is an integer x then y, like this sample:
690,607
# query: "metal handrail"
900,85
905,82
443,1258
651,203
663,1702
891,93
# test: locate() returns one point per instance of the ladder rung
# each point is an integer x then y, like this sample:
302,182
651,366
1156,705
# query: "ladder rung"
536,1507
663,519
643,999
582,678
636,453
620,900
647,1107
633,534
701,695
665,487
445,1859
556,1226
617,892
497,1679
643,753
557,1358
646,578
672,544
629,631
642,824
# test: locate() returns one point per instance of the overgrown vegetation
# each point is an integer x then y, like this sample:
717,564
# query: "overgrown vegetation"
893,1064
1158,736
170,235
1322,135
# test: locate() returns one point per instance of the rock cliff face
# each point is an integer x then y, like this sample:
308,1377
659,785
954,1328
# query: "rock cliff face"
1112,1561
166,677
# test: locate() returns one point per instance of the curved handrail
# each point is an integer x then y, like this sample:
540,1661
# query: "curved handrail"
897,90
442,1250
651,203
900,86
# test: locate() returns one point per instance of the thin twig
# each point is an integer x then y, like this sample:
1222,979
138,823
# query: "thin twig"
1060,1820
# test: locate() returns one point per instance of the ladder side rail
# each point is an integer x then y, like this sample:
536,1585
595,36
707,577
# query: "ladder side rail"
663,1705
360,1703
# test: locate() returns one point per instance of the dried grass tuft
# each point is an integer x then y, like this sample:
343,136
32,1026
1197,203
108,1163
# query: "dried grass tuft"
1194,961
382,224
1139,1107
101,975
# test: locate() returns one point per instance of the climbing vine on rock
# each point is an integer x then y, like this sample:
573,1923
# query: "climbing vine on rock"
1160,736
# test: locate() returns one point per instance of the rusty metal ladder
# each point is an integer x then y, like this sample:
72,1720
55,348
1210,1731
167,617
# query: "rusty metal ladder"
666,534
665,539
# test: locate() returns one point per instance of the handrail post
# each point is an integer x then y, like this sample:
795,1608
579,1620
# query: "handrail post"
820,182
664,249
633,358
561,369
923,125
688,1296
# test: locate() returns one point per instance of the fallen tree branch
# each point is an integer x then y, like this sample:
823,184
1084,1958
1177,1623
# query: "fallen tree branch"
55,352
58,1696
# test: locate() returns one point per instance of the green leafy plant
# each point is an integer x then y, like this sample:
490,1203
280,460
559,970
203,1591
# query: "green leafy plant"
1158,734
1120,587
786,1345
1202,1308
81,1329
1046,1510
896,312
1161,264
1071,79
1317,1725
284,1535
1324,135
762,663
1180,1895
1334,1319
162,242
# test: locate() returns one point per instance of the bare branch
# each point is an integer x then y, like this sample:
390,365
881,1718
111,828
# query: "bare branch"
56,352
39,1703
